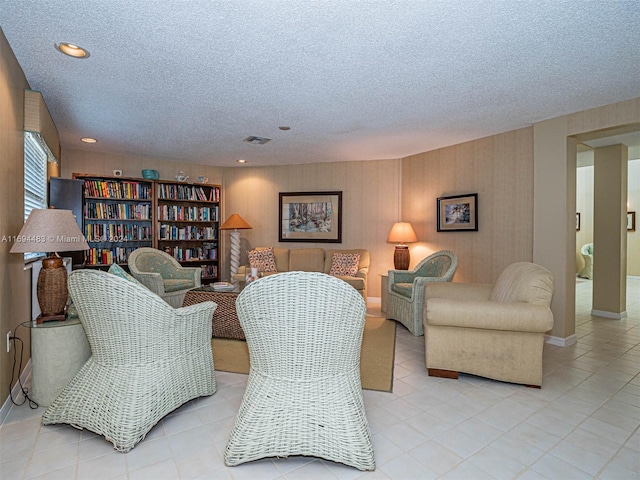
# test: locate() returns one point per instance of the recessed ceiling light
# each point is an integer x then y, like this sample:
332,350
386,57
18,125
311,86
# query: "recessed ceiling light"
89,140
72,50
241,161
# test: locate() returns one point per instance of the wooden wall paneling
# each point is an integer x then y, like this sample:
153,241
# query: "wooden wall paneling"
499,169
370,204
15,281
615,115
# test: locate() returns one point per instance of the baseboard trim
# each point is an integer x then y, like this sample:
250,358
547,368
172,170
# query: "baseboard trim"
561,341
16,392
605,314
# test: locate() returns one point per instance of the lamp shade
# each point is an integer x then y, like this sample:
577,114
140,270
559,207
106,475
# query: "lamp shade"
235,222
402,232
49,230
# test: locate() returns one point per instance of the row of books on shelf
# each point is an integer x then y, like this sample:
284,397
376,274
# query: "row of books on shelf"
112,232
181,213
126,190
173,232
209,271
117,211
192,254
107,256
188,192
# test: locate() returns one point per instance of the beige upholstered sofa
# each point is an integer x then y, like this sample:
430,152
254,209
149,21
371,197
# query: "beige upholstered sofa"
316,260
494,331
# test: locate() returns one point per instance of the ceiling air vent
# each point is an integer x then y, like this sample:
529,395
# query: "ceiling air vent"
257,140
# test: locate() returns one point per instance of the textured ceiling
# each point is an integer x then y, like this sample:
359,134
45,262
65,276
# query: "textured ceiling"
355,80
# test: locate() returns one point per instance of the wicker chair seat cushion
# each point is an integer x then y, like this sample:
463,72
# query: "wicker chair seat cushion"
152,262
176,284
403,289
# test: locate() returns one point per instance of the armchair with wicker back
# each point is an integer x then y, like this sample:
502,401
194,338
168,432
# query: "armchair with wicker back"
406,288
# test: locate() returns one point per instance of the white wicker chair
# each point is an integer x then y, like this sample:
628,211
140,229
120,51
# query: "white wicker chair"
587,254
405,296
304,396
147,359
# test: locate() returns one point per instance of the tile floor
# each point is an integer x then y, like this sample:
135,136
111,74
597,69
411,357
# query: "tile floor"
583,423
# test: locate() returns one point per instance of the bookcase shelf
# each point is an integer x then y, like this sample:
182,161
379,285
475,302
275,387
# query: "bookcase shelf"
122,214
187,224
117,217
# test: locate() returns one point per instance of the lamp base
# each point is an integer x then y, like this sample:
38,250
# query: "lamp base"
52,290
401,257
234,236
50,318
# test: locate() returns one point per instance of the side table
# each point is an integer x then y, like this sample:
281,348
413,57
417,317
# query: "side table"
225,323
384,286
58,352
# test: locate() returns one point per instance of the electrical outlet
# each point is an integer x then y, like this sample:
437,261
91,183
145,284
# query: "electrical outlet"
9,341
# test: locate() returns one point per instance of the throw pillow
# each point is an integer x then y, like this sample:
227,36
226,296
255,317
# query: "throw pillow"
263,260
345,264
118,271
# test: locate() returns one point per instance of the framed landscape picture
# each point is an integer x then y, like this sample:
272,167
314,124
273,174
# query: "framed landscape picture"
310,217
458,213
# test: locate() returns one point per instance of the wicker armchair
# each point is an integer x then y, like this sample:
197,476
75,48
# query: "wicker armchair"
405,301
587,254
304,396
162,274
147,359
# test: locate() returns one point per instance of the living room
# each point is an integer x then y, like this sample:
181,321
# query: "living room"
525,179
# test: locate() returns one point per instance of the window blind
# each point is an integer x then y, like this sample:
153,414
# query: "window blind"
35,178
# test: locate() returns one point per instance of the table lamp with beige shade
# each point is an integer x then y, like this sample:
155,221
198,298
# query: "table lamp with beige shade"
235,222
50,230
401,233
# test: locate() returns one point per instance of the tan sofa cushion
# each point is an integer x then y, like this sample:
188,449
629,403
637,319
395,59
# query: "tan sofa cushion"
355,282
306,259
316,260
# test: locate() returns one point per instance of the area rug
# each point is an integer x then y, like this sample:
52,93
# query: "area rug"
376,358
